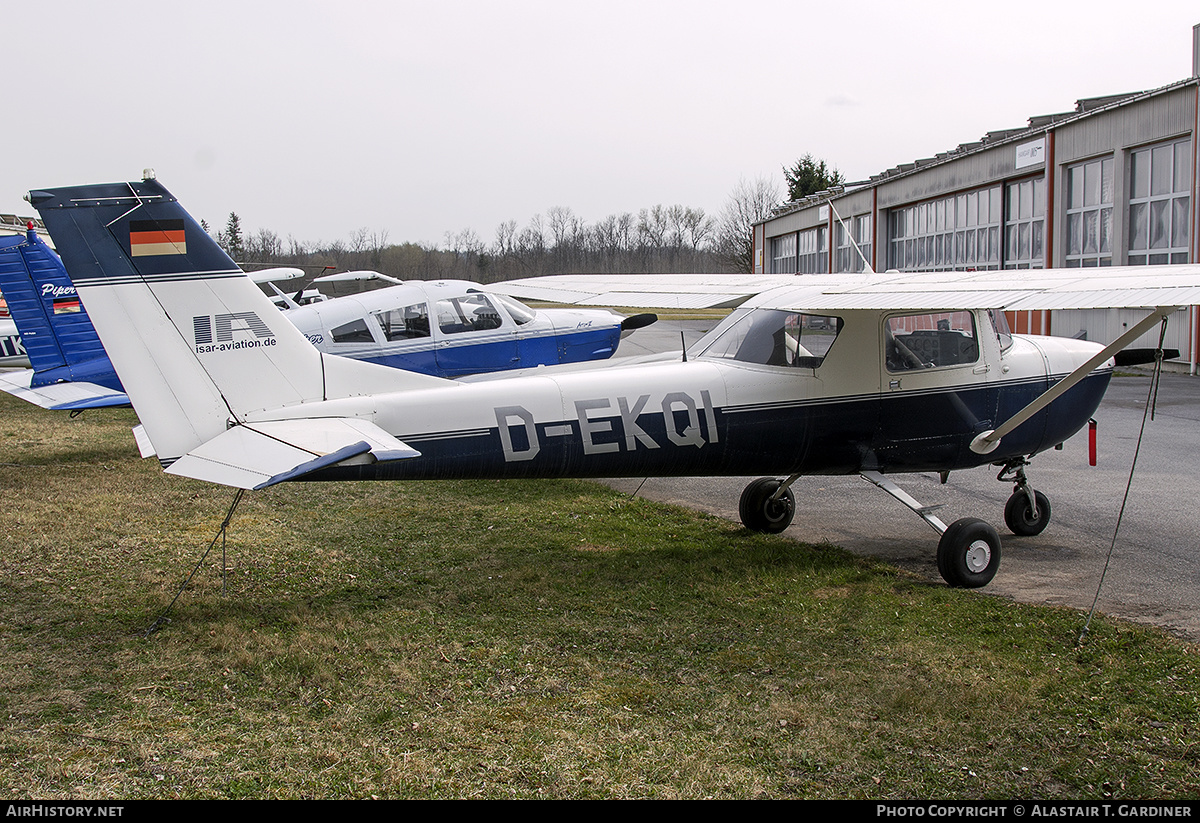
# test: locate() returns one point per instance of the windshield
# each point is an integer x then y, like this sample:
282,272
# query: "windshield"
771,337
520,313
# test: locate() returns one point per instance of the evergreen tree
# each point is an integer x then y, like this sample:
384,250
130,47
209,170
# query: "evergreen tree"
231,238
810,176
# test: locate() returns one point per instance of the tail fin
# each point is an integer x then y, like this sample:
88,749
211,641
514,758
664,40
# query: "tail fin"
197,345
70,368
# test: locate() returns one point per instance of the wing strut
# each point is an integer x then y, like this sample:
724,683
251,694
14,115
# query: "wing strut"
989,440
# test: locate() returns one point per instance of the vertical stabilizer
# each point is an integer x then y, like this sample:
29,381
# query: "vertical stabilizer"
62,344
196,344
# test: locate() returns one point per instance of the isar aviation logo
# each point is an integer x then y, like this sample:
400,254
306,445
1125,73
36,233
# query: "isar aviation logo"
230,332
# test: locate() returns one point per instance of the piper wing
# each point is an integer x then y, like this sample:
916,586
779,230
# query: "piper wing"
1013,290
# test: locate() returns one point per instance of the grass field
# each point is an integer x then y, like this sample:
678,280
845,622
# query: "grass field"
525,639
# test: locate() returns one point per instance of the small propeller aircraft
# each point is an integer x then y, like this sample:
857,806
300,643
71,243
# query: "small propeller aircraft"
452,328
871,374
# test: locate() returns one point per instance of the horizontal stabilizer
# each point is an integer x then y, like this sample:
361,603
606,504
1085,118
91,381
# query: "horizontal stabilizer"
257,455
69,396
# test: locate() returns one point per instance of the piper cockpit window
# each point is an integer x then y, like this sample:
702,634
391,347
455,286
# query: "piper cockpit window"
771,337
520,313
355,331
471,312
408,323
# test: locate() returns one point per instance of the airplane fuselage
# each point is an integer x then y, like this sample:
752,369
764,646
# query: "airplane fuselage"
713,415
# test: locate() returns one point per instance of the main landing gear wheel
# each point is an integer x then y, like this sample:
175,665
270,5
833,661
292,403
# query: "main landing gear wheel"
762,514
1019,516
969,553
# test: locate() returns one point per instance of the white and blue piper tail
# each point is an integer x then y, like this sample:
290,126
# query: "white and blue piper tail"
70,369
201,351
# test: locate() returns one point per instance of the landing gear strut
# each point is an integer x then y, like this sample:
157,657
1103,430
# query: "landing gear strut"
768,505
1027,511
968,552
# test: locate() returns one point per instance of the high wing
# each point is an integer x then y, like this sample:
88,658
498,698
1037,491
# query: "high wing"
682,291
1011,290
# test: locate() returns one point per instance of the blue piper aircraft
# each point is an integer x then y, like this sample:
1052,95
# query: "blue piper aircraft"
446,328
70,370
873,374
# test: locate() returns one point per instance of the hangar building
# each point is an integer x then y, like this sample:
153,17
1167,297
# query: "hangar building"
1111,183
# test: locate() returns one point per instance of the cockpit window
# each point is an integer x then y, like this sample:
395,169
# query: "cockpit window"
928,341
521,314
1003,330
408,323
471,312
355,331
771,337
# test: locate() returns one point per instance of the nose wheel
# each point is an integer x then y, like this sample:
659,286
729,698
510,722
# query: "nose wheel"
1027,511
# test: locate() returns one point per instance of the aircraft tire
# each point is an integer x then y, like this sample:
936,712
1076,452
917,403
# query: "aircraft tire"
969,553
1020,520
761,514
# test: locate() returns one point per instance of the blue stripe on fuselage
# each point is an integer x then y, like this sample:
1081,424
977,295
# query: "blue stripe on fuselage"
827,437
472,358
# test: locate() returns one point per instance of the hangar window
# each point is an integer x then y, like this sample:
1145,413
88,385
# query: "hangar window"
408,323
929,341
846,259
1159,206
1025,224
783,254
957,232
1090,214
812,255
770,337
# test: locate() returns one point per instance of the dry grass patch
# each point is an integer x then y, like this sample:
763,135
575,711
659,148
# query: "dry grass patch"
524,639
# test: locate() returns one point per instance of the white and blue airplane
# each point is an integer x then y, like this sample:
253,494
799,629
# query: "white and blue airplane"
873,374
452,328
472,330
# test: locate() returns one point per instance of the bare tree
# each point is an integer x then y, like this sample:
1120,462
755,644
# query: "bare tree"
748,203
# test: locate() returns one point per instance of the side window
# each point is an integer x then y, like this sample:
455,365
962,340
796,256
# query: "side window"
408,323
471,312
771,337
355,331
930,341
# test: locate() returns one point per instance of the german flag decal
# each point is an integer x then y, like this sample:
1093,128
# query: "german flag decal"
154,237
67,305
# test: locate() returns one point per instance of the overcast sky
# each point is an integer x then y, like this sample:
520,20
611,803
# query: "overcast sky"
316,119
